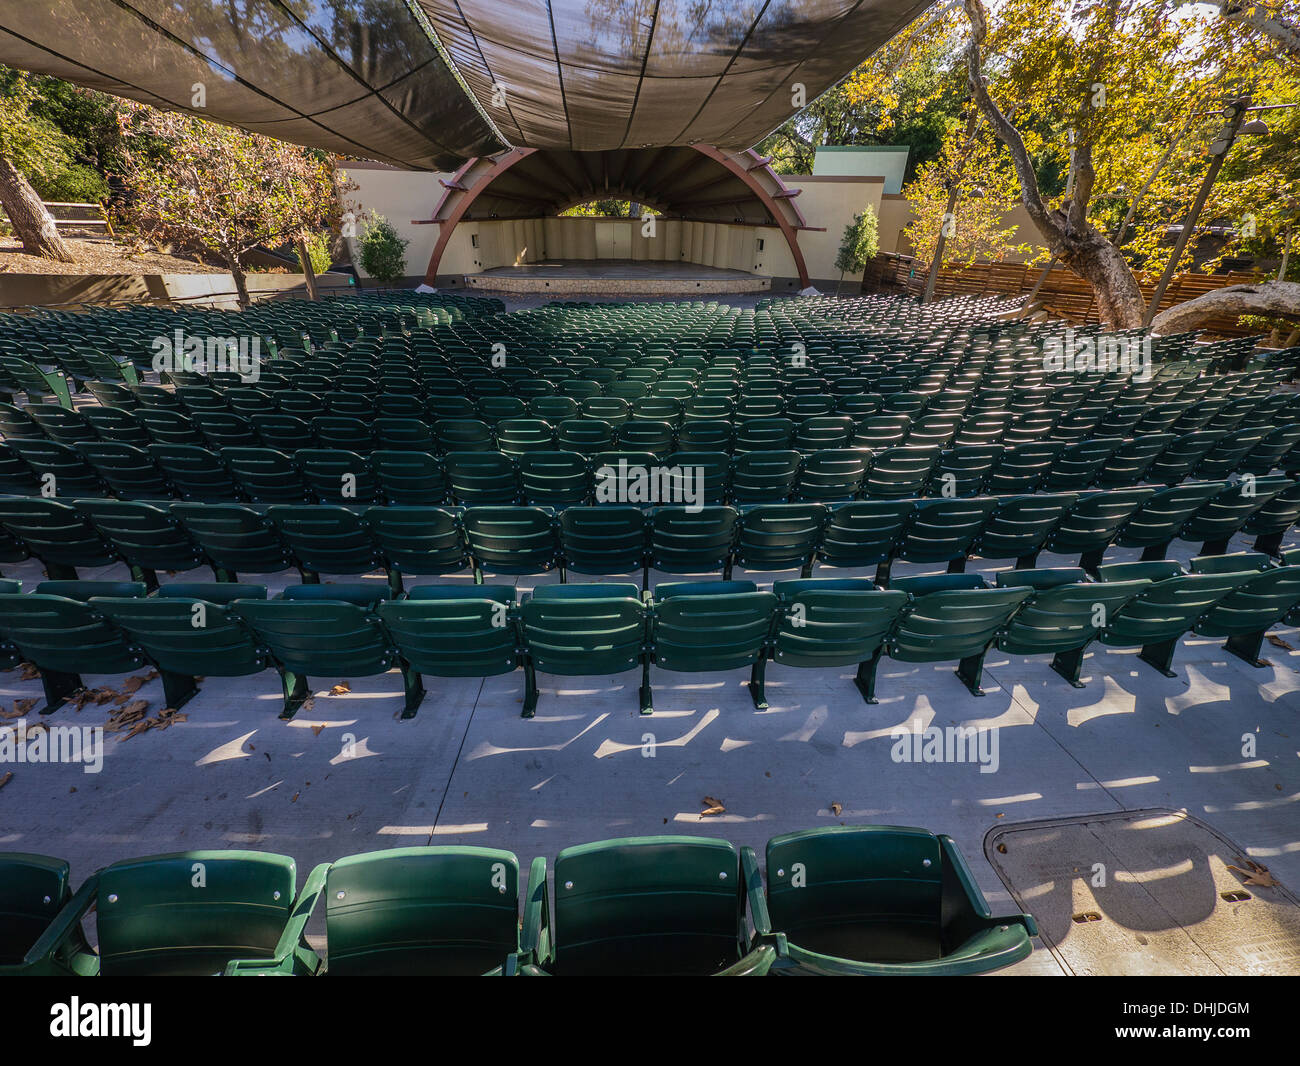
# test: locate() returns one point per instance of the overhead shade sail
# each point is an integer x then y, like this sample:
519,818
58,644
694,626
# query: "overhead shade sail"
357,77
591,75
427,84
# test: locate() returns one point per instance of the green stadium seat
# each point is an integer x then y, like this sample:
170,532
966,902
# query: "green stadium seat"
266,476
418,541
410,479
234,539
482,477
685,541
880,900
779,536
512,540
326,539
196,475
34,891
609,539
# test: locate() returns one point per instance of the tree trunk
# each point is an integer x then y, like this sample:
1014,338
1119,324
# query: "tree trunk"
33,224
308,272
1119,300
241,281
1277,298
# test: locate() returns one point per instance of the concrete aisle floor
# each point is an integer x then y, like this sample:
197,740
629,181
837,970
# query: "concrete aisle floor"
347,775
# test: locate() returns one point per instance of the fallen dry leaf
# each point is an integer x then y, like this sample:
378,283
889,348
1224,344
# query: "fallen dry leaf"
712,806
27,672
317,730
9,776
1254,874
25,705
837,809
1278,642
341,688
295,797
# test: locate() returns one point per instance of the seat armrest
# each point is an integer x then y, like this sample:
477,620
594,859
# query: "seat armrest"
292,953
58,935
534,940
757,897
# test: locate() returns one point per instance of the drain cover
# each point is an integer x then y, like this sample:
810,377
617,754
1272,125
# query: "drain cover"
1145,892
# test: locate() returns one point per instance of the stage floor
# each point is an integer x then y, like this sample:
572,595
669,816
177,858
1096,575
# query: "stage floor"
629,276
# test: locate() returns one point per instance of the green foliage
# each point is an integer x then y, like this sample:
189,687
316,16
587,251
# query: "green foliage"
859,244
76,183
600,209
318,249
383,252
32,143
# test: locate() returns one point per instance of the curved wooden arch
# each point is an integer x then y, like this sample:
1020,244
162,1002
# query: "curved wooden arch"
464,196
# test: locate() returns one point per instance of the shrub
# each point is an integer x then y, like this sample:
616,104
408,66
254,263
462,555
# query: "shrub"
383,252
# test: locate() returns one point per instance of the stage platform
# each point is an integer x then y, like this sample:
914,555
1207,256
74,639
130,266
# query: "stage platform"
622,276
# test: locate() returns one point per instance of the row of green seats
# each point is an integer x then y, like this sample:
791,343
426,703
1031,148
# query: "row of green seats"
871,900
615,539
187,631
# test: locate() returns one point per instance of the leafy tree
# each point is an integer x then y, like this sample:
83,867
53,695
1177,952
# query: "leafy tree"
858,246
318,250
31,145
220,190
383,252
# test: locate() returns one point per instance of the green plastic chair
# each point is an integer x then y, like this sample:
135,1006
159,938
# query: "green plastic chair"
34,890
266,476
1065,614
706,626
455,631
55,629
326,539
418,540
899,472
57,534
555,478
686,541
324,637
641,906
952,616
195,473
779,536
234,539
148,538
880,900
864,533
824,623
944,531
609,539
191,913
1246,613
512,540
1223,516
764,476
410,479
426,912
581,630
482,477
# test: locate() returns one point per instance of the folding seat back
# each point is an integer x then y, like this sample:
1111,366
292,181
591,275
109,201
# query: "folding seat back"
315,637
492,409
881,431
1170,606
899,472
555,478
1226,457
764,476
335,476
1177,461
1064,615
863,533
402,434
609,409
779,536
283,432
511,540
553,409
519,436
454,630
707,472
1222,516
170,427
1163,514
1270,523
823,432
609,539
883,900
1095,519
147,537
833,474
61,425
186,631
683,540
326,539
129,472
234,539
952,623
584,435
15,422
224,429
1023,468
650,906
266,476
1250,609
463,435
33,889
965,470
705,435
418,540
764,434
59,469
410,479
702,631
482,477
431,911
580,630
56,533
154,918
1129,463
55,629
944,531
640,434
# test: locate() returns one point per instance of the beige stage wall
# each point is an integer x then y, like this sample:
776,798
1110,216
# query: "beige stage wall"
828,204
